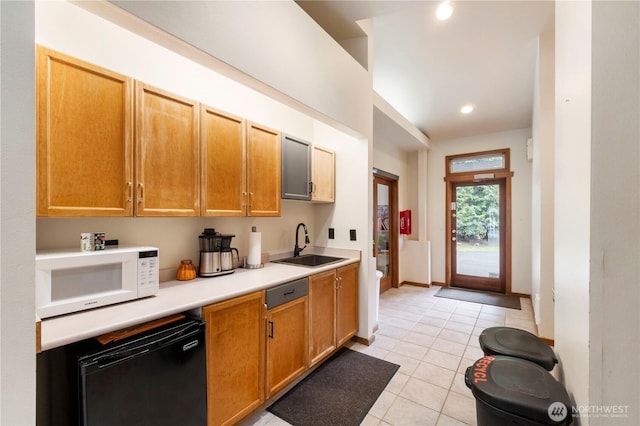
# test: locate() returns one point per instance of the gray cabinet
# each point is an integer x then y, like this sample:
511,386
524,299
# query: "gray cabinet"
296,168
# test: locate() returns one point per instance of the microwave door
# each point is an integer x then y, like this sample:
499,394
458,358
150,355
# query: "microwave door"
84,287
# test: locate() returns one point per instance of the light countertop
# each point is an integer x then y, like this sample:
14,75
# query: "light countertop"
178,296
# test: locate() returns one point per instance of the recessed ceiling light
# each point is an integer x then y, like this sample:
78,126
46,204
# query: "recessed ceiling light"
467,109
445,10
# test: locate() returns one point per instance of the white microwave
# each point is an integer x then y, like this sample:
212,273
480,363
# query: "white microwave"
72,281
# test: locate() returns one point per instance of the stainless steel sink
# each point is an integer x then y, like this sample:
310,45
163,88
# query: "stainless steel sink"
310,260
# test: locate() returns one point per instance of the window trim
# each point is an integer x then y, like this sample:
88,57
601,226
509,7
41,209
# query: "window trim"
497,172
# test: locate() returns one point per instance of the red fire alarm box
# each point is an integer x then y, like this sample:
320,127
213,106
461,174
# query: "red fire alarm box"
405,222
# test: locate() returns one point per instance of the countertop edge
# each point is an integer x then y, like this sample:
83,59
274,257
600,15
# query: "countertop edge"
176,297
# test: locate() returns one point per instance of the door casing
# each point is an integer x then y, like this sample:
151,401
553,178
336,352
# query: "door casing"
495,175
392,181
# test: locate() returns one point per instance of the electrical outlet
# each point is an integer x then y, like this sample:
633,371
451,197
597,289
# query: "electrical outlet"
331,233
352,234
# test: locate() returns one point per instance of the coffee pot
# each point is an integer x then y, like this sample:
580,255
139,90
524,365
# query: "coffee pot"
226,253
212,253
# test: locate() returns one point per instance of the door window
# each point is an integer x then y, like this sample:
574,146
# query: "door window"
478,226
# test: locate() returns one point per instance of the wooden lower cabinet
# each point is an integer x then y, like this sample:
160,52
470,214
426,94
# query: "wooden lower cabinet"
346,303
235,358
254,353
287,344
333,310
322,316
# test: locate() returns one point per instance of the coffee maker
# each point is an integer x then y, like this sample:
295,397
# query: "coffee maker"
215,253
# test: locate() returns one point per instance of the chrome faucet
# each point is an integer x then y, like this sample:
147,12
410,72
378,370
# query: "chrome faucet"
297,249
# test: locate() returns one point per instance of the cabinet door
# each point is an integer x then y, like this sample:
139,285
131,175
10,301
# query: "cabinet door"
263,171
235,358
167,154
347,302
84,138
322,316
223,164
296,168
323,175
287,344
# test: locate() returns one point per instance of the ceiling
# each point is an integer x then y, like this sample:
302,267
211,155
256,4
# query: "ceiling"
427,69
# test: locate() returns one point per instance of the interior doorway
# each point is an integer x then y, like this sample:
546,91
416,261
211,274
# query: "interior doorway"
385,227
478,228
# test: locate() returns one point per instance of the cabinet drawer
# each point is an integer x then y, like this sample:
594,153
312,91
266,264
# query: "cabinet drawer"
284,293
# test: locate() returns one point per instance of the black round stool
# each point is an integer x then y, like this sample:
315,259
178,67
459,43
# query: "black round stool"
514,391
519,344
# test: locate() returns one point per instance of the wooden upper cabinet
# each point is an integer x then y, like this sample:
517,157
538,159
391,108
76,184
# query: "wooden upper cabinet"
263,171
223,164
167,154
84,150
323,175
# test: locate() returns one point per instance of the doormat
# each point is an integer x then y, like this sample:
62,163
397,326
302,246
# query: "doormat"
340,392
495,299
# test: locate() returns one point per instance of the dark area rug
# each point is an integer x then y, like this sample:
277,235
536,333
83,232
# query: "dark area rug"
339,392
487,298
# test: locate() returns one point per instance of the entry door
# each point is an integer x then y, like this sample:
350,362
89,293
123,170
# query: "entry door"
385,232
477,232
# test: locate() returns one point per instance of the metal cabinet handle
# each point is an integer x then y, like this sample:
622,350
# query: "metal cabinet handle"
129,192
140,192
270,334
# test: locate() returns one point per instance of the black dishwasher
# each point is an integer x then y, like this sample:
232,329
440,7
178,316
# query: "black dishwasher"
153,378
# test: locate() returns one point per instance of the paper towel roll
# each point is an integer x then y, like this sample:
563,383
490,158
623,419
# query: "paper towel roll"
255,249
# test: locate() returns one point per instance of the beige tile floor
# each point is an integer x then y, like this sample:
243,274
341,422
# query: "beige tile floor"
433,340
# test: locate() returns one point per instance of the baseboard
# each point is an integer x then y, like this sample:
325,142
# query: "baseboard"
438,284
363,340
375,328
550,342
526,296
414,284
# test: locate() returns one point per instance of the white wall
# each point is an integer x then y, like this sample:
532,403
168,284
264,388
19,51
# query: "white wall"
17,215
572,195
276,43
614,293
72,30
516,141
542,212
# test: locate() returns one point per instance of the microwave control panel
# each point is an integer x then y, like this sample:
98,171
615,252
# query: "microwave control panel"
148,272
